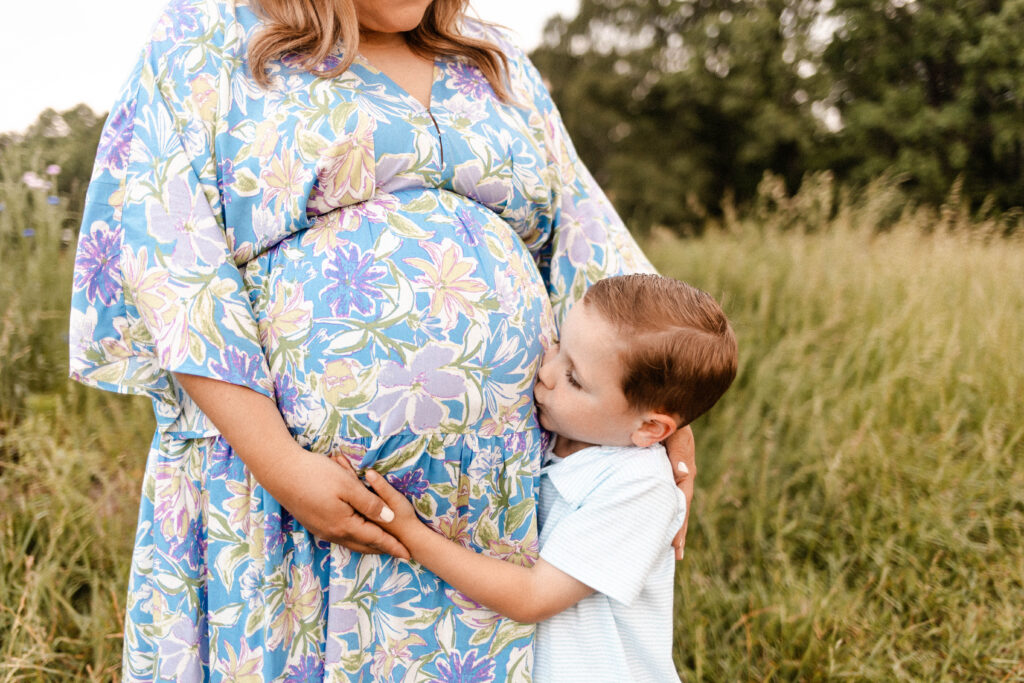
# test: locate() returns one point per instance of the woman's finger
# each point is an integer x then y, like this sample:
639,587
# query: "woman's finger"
682,455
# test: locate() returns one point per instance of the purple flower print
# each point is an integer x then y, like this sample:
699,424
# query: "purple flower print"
98,268
193,545
310,669
410,393
466,670
225,178
237,368
468,80
352,276
468,228
411,484
290,400
194,235
178,653
341,619
186,18
586,232
274,533
115,144
221,460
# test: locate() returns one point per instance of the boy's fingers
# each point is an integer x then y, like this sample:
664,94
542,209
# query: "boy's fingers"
383,487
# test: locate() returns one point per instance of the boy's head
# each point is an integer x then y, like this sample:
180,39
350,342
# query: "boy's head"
640,356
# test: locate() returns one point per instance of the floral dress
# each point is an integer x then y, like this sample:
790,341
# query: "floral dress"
388,273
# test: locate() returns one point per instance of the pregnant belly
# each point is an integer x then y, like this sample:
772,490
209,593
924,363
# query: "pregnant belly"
417,312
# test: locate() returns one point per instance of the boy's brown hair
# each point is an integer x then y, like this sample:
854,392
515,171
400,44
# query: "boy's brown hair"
680,352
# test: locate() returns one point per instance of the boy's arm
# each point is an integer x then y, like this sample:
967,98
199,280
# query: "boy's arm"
521,593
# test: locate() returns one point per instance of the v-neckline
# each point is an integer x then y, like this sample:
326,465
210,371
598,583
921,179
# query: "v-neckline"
434,70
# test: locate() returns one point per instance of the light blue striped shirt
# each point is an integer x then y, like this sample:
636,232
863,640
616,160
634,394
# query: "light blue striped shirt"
607,518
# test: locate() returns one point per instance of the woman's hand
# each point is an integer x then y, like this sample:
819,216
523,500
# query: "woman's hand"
330,501
683,455
333,504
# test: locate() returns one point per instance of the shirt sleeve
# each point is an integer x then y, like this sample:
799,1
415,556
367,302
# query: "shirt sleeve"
589,241
614,538
156,287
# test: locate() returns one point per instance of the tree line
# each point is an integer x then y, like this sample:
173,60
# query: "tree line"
680,105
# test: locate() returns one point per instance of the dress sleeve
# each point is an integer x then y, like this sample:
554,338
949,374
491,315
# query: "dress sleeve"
588,240
156,287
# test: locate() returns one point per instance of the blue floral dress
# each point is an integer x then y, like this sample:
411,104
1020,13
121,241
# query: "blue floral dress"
390,274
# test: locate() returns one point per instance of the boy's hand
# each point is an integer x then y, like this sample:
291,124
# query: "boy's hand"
683,456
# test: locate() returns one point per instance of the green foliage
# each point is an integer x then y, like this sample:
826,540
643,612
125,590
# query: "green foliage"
933,90
675,104
67,139
35,284
680,105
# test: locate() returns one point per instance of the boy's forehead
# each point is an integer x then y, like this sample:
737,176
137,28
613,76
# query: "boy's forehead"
592,343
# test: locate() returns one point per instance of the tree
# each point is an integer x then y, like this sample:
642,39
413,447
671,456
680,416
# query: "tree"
676,104
933,91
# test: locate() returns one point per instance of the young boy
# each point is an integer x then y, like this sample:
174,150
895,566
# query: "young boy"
640,356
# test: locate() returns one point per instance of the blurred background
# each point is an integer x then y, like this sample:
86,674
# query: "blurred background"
845,176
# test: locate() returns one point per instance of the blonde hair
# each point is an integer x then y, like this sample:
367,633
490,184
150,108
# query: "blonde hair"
681,354
314,29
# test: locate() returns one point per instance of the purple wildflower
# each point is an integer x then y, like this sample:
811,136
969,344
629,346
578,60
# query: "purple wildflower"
28,232
53,200
411,484
467,670
468,80
115,144
98,266
34,181
353,275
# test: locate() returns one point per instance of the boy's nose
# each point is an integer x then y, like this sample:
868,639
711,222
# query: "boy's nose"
546,374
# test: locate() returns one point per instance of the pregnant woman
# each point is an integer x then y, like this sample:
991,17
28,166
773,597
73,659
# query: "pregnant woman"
300,250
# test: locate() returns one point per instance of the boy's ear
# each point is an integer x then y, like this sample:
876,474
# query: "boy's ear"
655,427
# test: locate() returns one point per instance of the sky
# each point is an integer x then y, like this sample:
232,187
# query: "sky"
57,53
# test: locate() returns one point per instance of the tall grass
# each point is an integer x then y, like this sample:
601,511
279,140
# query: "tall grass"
860,504
70,459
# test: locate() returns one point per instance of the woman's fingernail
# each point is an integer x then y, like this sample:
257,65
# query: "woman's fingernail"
386,514
683,468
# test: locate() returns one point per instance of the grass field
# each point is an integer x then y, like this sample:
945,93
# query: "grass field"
860,505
